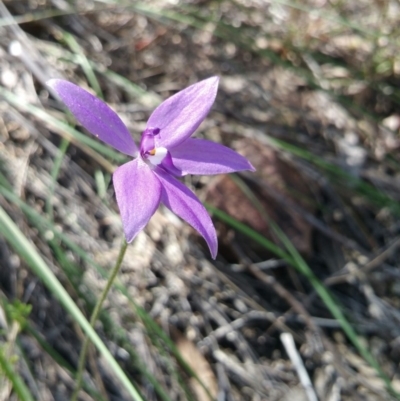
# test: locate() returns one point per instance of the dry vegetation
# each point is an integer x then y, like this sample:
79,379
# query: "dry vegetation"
309,93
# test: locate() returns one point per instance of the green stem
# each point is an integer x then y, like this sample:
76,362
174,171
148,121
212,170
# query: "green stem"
93,319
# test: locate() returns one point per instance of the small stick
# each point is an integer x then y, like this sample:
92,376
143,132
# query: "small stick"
290,347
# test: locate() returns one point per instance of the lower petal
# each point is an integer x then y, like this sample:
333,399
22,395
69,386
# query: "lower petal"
138,193
180,200
202,157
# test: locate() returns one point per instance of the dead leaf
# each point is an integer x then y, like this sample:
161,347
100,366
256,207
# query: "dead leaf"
278,186
200,366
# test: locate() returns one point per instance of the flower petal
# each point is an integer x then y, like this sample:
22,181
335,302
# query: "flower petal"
180,200
199,156
180,115
138,192
169,167
96,116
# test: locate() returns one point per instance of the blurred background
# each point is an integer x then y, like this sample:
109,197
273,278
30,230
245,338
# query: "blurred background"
308,244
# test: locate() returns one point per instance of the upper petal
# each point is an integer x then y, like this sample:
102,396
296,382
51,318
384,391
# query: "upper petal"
138,192
96,116
180,200
180,115
199,156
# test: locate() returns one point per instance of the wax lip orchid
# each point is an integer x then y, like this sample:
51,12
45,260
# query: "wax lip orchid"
166,150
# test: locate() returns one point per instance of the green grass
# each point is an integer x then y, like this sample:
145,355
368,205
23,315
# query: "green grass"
28,252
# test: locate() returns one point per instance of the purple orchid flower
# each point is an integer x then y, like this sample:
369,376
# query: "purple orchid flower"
166,150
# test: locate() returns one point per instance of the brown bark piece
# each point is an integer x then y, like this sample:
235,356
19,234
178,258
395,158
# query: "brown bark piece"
279,185
195,359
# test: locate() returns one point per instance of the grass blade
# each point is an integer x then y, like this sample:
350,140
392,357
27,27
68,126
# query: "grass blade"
27,251
43,224
84,62
18,385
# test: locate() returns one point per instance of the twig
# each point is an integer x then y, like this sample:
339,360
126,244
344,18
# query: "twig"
285,294
290,347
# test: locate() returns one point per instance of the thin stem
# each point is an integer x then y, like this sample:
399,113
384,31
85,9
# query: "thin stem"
93,318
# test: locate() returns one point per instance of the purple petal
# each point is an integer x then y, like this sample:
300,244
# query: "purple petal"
147,142
95,116
181,114
168,165
184,203
138,192
199,156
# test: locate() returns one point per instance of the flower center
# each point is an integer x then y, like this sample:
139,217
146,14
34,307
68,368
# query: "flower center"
156,155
